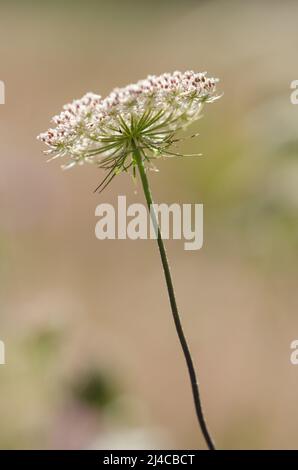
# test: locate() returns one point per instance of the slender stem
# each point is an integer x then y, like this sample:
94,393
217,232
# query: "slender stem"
192,375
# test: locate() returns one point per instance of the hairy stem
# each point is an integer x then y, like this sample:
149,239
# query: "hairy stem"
192,375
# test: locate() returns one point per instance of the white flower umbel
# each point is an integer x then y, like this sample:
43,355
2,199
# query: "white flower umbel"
148,113
127,129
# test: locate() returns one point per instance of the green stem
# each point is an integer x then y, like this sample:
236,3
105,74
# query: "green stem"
192,375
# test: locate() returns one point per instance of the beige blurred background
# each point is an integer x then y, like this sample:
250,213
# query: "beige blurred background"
92,359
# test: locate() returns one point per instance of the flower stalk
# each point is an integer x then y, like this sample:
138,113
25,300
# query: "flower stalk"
137,153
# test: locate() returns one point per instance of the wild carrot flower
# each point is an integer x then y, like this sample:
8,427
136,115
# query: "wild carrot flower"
127,130
150,112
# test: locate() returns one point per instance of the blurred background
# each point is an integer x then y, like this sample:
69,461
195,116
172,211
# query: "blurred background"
92,358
